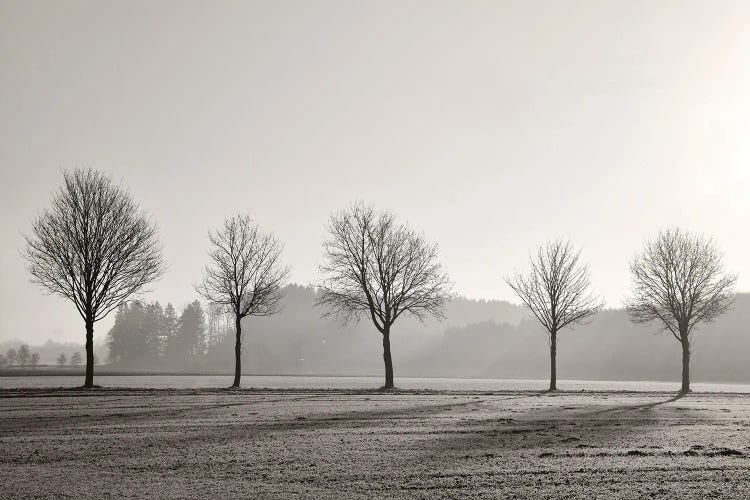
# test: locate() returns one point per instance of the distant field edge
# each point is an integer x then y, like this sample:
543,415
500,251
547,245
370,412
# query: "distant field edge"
140,391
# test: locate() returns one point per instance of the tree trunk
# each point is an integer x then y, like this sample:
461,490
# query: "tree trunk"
89,381
553,361
387,359
237,352
685,366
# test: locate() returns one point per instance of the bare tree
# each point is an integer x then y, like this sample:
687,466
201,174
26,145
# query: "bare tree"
12,356
680,281
61,359
380,269
94,247
556,290
245,275
34,359
75,359
23,354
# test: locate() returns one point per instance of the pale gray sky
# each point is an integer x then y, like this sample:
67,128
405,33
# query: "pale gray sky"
491,126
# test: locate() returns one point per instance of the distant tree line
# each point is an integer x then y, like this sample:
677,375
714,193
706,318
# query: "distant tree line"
62,359
21,357
148,336
24,357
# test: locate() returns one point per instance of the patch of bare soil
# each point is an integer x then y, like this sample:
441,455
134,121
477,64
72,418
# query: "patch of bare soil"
357,444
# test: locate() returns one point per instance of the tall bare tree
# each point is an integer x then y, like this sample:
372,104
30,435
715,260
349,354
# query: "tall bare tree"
245,275
679,280
75,359
378,268
94,247
556,290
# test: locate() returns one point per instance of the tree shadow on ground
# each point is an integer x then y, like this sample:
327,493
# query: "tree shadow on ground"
561,427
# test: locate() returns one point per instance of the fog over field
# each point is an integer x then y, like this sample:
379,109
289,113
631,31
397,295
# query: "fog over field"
477,339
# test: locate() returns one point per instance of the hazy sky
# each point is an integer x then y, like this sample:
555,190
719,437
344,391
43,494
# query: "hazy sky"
491,126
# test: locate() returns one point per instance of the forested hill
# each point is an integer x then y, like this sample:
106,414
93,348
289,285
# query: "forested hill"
610,347
477,339
300,340
495,339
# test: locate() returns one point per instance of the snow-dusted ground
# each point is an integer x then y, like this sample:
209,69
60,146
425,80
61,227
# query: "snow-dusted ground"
350,444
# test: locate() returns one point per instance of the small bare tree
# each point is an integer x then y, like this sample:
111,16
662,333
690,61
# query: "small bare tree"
378,268
245,275
75,359
680,281
556,290
23,354
94,247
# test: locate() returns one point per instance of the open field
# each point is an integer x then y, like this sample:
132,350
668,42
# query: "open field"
337,382
350,444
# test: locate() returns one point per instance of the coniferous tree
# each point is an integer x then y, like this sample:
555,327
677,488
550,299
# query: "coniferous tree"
169,329
116,337
191,332
153,328
133,340
138,341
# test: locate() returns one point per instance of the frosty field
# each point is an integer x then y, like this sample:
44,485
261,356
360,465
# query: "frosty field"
358,443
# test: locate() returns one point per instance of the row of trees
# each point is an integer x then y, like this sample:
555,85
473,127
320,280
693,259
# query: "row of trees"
94,247
21,357
62,359
679,282
97,249
24,357
374,267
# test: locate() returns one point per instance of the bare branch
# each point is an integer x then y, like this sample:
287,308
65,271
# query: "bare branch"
93,246
378,268
556,288
680,281
245,275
